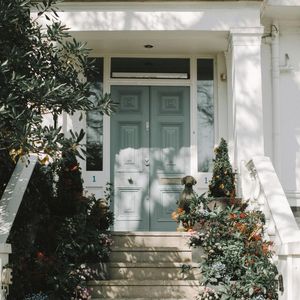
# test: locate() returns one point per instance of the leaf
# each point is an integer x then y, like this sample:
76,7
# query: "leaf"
251,291
44,160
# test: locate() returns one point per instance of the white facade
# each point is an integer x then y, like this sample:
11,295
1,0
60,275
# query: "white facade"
254,45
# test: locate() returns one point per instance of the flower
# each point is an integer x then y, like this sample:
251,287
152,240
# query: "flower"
175,214
243,215
241,227
40,255
232,216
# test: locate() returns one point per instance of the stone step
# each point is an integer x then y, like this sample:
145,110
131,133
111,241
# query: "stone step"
153,271
173,289
150,254
150,239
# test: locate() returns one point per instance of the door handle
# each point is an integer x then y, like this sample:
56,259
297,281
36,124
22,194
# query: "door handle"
147,162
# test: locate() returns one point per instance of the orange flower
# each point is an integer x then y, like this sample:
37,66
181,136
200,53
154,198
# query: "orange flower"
243,215
232,216
257,237
174,215
241,227
180,210
266,247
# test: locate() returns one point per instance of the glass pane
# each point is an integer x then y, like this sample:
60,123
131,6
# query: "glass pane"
205,114
94,120
151,66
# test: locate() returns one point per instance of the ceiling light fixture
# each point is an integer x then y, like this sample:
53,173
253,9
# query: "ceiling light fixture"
148,46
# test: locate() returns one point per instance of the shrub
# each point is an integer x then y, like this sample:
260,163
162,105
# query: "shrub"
56,251
222,183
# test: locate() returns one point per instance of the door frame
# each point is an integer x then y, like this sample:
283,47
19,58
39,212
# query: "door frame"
95,181
191,82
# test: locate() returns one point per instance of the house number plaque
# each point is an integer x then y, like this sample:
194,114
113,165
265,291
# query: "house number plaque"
168,181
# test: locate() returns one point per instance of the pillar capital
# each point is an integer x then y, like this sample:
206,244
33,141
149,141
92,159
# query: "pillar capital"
245,36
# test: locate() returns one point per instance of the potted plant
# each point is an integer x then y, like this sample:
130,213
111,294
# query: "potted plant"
221,188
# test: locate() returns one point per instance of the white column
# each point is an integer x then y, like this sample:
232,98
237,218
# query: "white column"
246,85
275,95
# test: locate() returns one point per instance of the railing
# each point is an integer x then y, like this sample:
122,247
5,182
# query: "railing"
262,188
9,206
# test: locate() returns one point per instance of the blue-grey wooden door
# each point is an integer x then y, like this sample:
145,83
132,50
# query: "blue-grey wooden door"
169,151
150,150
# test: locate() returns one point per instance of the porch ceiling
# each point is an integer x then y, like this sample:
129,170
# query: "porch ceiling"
167,42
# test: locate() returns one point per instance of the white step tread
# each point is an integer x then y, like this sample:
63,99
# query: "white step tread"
145,249
150,249
125,282
151,233
151,265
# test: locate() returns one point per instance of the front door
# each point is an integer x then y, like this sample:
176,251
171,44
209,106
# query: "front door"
150,144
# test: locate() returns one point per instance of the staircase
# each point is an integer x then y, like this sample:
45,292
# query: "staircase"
148,265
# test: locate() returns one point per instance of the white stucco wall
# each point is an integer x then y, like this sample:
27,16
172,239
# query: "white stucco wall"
289,93
284,13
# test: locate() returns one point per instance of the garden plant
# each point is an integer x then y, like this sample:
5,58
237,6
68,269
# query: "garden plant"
60,237
236,262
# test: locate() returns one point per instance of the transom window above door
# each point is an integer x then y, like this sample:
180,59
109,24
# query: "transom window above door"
151,68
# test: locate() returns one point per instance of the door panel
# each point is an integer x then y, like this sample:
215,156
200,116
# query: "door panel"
150,154
130,146
169,152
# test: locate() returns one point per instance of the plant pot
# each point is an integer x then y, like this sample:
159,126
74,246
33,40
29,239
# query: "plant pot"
218,202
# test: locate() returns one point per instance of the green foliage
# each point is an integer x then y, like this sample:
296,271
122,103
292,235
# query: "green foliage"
236,263
59,238
42,73
190,217
57,230
222,183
